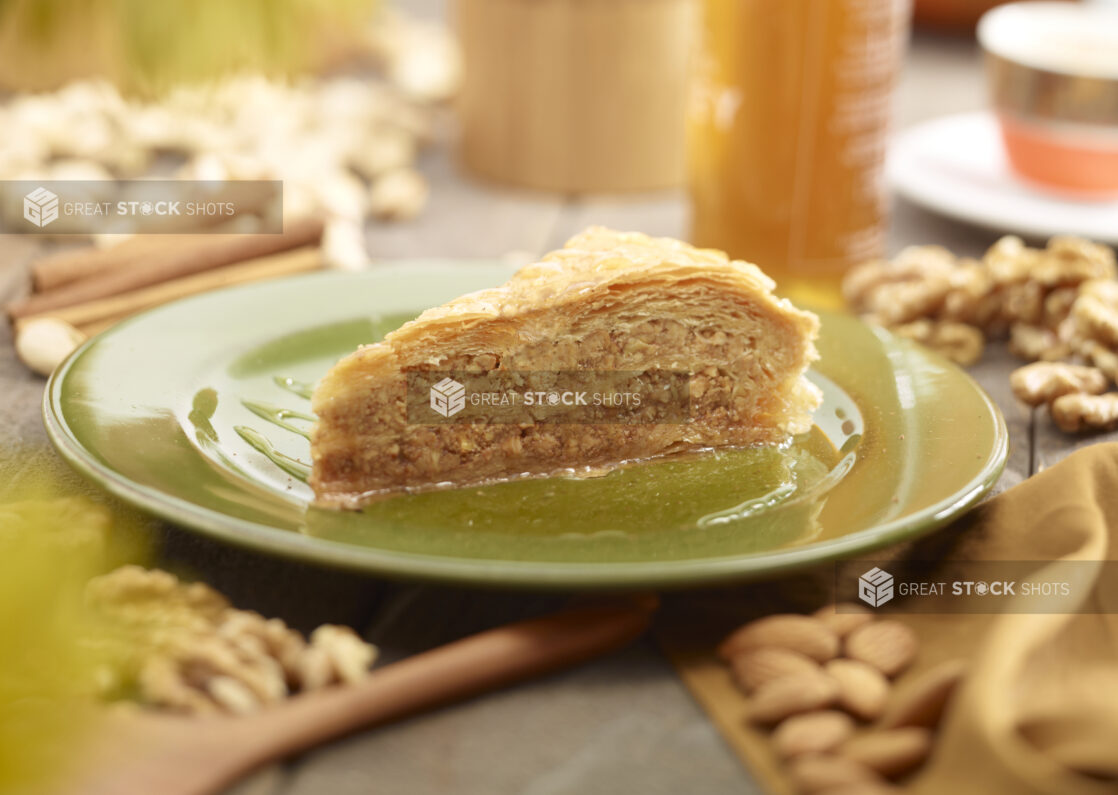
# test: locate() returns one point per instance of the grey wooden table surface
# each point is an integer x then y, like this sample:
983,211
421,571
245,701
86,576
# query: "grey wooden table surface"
619,725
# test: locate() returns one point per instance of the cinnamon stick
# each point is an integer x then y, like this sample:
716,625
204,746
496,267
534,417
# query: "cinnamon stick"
94,316
66,267
181,258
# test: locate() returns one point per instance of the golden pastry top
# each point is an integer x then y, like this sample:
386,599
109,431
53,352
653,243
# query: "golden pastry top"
591,260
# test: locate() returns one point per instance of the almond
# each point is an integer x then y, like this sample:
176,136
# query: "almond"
807,635
863,690
923,701
889,646
812,733
844,617
823,773
890,752
791,695
754,668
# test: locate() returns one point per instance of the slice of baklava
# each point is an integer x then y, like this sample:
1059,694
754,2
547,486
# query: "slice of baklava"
706,356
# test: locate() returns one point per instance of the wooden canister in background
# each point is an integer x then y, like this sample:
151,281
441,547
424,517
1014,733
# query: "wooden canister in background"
575,95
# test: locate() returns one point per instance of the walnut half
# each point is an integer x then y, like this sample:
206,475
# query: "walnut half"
1043,382
1078,412
959,342
1037,343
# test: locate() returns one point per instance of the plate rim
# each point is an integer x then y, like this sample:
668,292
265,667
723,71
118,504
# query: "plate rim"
535,575
932,201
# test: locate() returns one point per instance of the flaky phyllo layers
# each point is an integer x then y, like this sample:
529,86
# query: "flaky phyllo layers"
609,310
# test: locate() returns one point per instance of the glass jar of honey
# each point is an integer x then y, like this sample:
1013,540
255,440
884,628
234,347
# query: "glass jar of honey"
787,121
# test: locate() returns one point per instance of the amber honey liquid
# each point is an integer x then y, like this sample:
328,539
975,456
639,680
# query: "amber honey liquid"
787,127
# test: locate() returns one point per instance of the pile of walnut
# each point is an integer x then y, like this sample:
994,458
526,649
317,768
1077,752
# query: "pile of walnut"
186,649
822,682
1058,306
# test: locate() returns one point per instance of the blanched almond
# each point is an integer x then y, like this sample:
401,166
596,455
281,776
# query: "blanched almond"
823,773
812,733
755,667
844,617
923,701
889,646
890,752
44,343
791,695
807,635
863,690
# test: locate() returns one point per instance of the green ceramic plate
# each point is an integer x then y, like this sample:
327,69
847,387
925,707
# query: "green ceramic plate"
197,412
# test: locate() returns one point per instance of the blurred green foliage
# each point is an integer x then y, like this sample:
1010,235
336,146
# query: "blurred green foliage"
51,542
151,45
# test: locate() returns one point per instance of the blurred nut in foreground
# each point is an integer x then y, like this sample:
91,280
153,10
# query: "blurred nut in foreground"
805,634
844,618
863,690
42,344
890,752
889,646
792,695
349,656
812,733
182,647
756,667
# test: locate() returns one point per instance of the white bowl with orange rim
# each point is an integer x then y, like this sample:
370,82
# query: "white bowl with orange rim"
1053,70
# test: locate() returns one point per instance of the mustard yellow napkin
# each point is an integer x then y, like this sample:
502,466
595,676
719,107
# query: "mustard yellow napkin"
1038,712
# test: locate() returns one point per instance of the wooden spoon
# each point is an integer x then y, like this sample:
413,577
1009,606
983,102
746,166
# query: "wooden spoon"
138,753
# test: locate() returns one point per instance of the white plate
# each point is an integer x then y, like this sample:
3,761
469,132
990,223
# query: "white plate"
956,166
